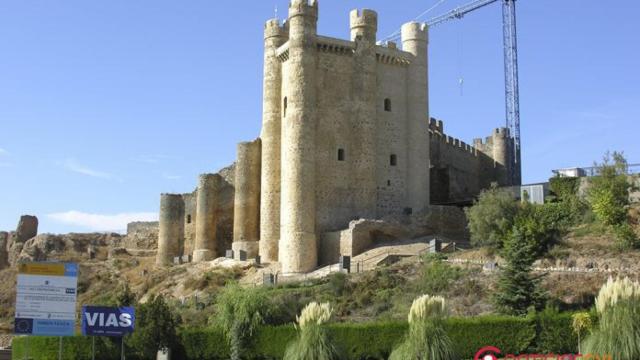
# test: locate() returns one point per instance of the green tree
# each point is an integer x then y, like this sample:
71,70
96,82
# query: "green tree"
491,216
608,194
518,289
156,326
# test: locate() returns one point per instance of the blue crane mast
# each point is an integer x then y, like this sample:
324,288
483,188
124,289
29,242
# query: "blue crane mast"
512,100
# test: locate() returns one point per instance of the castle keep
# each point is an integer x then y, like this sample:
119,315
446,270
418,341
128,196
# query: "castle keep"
346,135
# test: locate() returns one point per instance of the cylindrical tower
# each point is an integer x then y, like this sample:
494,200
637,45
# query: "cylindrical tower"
501,151
206,218
414,41
274,36
298,250
171,228
364,25
246,208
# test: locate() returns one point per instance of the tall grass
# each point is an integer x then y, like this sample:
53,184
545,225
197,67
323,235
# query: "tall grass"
618,330
312,342
427,338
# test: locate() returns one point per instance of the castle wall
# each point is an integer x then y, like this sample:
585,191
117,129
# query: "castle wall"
459,171
142,235
246,226
190,209
171,228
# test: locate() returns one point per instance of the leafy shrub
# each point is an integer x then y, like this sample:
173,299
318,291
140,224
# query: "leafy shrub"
156,326
437,275
338,282
491,216
564,187
609,191
626,237
555,332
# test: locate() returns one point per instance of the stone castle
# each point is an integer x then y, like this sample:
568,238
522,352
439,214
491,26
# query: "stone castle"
346,135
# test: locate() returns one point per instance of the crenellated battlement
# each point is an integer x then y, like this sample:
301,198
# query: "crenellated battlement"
452,143
303,8
273,28
364,24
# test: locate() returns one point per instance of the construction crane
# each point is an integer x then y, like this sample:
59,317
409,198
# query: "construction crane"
512,101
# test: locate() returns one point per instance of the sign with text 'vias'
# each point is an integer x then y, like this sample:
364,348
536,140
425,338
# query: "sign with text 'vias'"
107,321
46,299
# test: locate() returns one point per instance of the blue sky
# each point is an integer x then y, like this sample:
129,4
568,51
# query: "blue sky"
106,104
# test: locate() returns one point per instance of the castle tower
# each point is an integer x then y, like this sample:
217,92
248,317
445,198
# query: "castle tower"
171,228
274,36
364,25
414,41
501,147
206,221
298,250
246,218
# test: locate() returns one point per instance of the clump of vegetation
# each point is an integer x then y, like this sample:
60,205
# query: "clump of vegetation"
427,338
618,330
239,313
156,325
436,275
581,324
608,194
312,342
491,217
518,289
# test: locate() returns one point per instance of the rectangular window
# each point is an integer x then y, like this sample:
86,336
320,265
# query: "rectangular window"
340,154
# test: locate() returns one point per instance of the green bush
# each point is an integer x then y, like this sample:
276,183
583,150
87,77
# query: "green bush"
359,341
626,237
564,187
437,276
555,333
204,344
491,216
609,191
155,328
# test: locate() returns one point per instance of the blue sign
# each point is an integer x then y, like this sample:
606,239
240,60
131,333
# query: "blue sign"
107,321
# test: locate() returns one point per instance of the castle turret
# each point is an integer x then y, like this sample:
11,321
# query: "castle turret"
414,41
274,36
246,218
171,228
364,25
298,245
502,168
206,221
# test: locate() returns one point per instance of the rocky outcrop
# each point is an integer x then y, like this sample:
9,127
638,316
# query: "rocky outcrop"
27,228
73,246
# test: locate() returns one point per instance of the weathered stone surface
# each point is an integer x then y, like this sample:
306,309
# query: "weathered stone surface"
27,228
142,235
70,246
4,255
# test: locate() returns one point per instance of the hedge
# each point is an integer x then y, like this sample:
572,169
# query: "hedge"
546,332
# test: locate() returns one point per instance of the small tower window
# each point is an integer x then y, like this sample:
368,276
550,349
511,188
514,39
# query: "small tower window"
393,160
284,106
340,154
387,104
388,182
189,219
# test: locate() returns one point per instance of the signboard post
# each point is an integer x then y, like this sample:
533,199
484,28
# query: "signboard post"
108,321
46,299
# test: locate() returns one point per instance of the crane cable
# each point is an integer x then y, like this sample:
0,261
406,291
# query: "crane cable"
396,34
